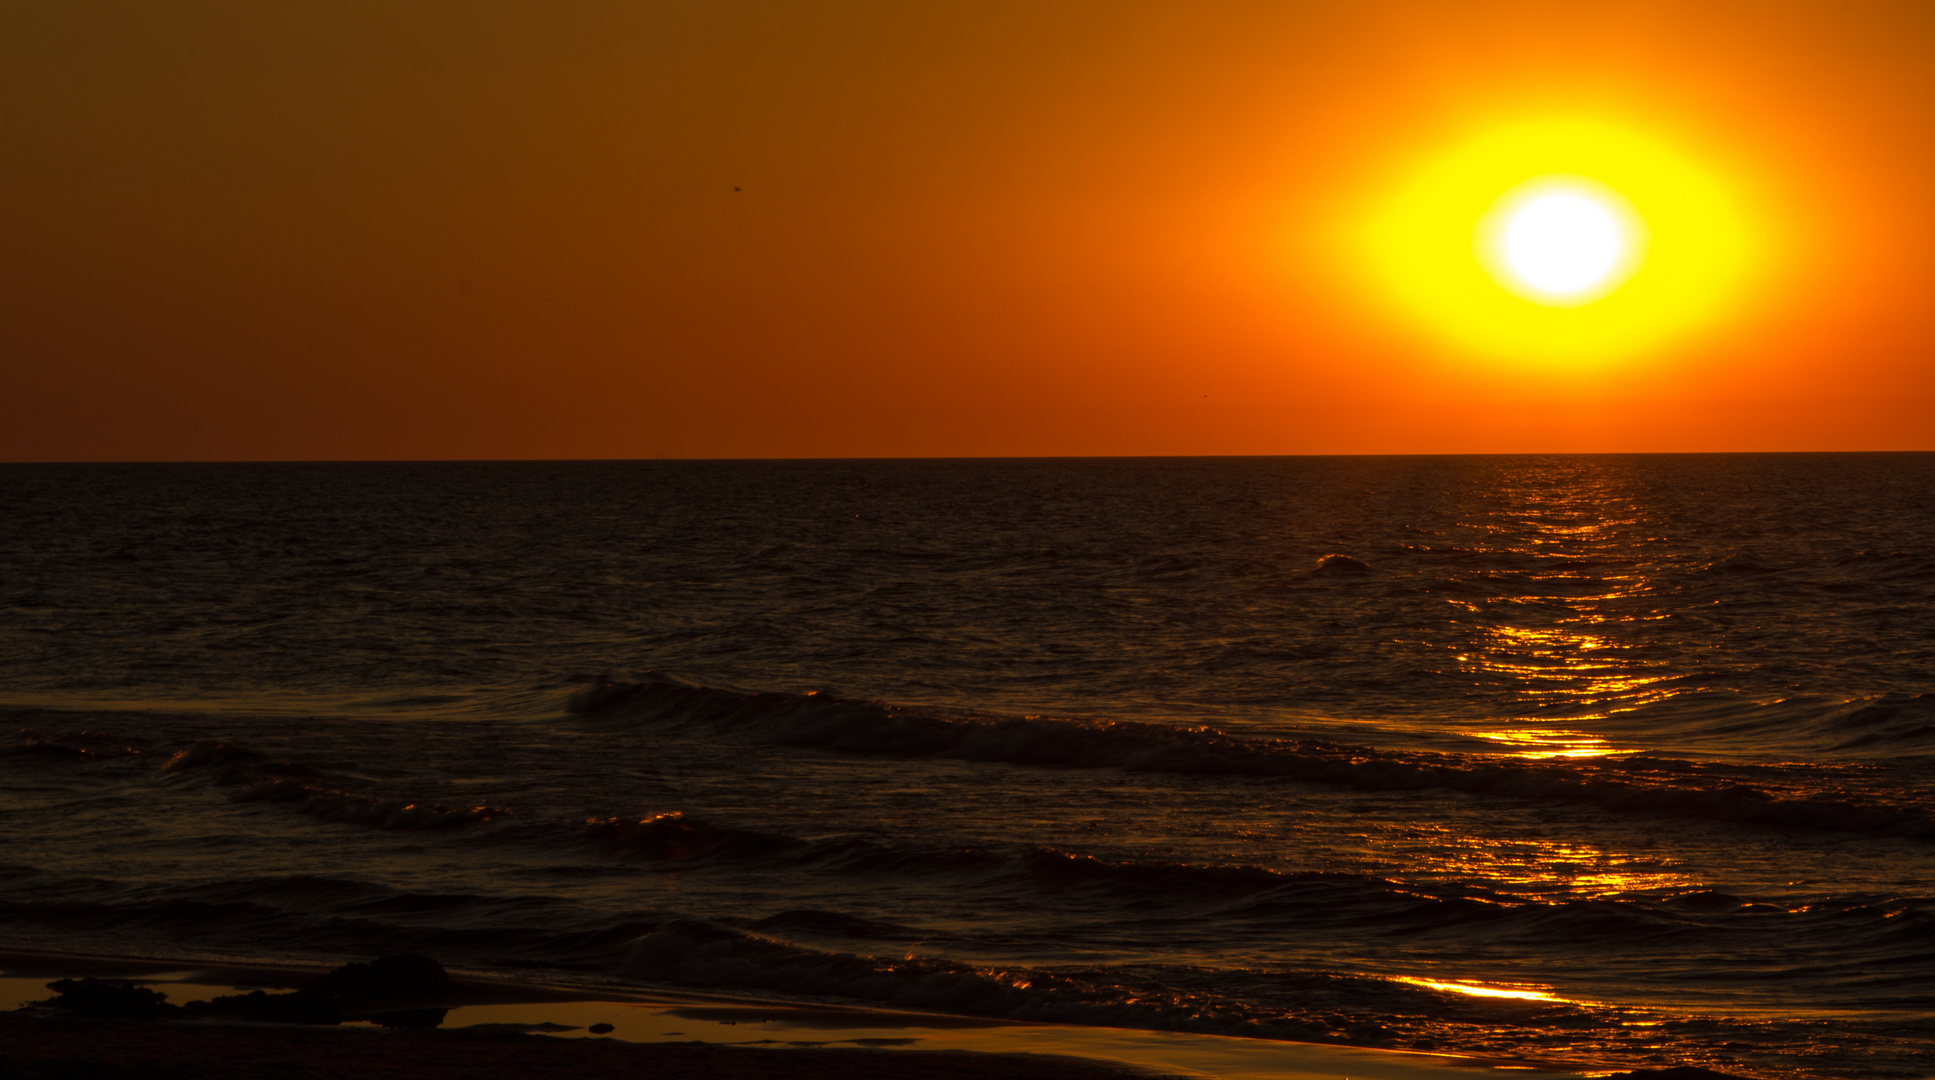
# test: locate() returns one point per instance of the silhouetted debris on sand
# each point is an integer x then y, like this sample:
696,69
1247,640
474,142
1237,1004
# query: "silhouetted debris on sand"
108,999
394,991
296,1008
391,978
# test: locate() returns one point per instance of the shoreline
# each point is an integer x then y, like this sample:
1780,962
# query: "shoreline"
503,1027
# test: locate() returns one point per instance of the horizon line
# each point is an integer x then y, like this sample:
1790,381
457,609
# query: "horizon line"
949,458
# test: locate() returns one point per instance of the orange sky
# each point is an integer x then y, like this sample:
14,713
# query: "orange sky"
362,229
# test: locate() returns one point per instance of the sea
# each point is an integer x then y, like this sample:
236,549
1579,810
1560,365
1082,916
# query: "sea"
1609,762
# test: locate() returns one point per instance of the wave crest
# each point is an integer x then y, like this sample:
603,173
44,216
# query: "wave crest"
1639,785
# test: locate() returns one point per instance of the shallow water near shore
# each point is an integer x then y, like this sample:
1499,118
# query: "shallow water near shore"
1624,762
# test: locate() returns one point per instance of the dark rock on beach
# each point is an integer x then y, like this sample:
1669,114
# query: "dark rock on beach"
296,1008
391,978
108,999
373,991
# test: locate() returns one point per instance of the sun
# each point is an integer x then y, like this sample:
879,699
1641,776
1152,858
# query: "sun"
1560,241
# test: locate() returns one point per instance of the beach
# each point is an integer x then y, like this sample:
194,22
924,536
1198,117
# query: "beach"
489,1028
57,1043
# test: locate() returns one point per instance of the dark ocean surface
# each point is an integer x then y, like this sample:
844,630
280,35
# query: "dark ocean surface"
1605,761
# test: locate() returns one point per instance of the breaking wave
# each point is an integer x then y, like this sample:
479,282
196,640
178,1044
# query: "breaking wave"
1781,797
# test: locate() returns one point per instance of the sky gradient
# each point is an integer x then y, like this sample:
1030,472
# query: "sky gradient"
362,230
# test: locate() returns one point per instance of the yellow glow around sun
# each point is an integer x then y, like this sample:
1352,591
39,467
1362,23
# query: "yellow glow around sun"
1560,241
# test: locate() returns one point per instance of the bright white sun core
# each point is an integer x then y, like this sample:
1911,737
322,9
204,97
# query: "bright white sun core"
1561,240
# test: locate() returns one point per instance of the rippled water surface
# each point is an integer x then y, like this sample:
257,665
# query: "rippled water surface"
1594,760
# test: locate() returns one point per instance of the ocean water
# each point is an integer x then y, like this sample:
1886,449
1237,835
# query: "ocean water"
1609,762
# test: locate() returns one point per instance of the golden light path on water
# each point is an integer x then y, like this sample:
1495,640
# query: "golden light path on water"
1477,990
1563,610
1544,865
1552,632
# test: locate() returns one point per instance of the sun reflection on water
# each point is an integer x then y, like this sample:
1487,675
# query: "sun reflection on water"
1555,868
1476,990
1551,743
1561,621
1565,666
